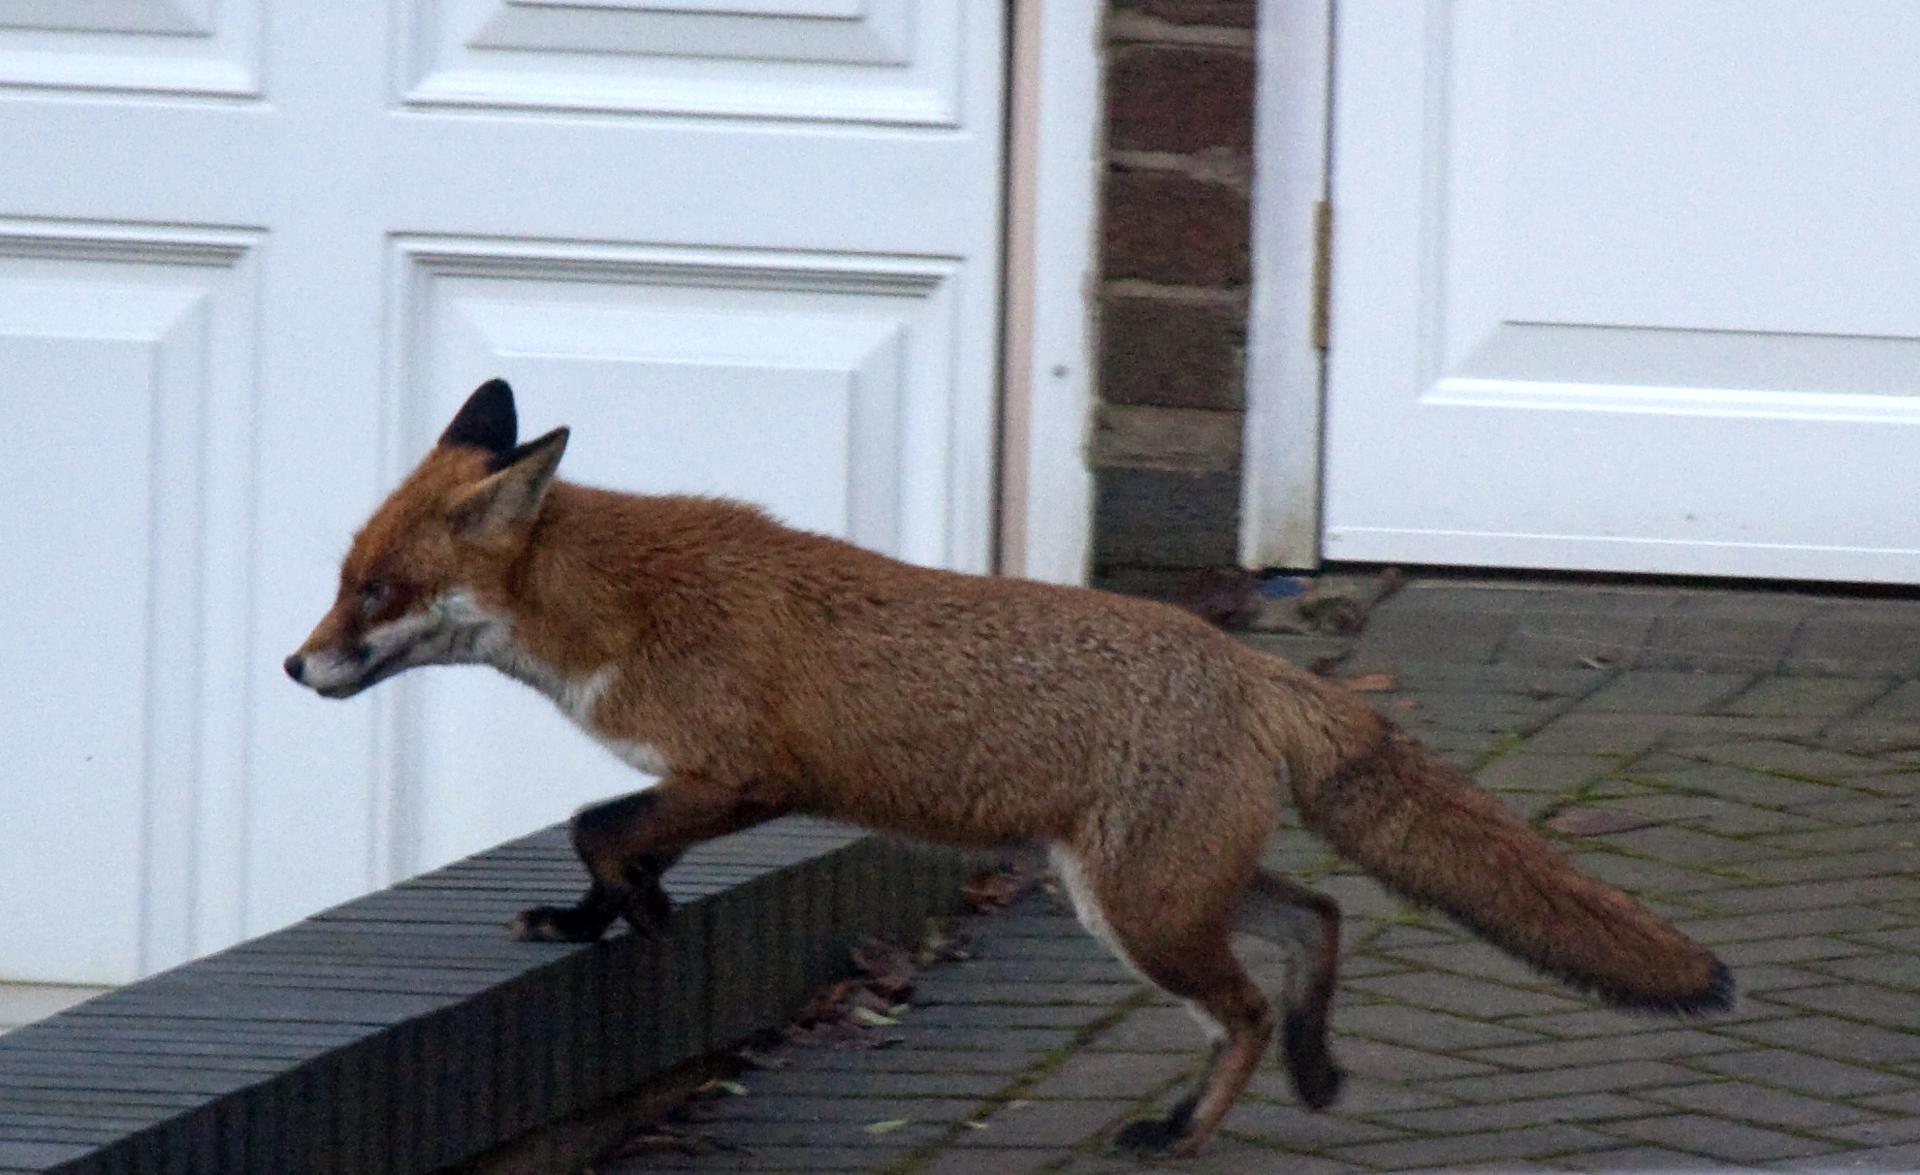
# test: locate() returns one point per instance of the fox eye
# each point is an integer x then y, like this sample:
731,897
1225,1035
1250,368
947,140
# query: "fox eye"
373,593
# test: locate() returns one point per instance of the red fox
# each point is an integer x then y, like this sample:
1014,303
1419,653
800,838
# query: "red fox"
761,670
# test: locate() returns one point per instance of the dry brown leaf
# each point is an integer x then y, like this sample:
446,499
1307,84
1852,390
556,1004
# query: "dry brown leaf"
1372,683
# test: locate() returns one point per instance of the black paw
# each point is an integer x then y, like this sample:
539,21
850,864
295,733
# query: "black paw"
1152,1137
1316,1078
1318,1084
647,908
555,924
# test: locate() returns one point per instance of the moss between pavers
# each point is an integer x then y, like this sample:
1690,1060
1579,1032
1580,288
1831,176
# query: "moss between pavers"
1018,1086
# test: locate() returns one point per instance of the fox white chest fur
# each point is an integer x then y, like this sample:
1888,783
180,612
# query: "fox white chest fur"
578,697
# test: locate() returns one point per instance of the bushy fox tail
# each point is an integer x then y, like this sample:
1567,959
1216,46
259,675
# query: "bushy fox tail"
1433,836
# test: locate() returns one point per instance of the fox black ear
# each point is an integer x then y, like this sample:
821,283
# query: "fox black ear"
486,420
513,491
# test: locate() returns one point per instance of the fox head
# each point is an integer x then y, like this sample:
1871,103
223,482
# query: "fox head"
425,582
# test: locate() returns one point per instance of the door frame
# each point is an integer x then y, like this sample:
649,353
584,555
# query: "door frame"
1052,169
1286,370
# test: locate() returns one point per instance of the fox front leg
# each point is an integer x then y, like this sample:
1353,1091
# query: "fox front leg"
626,844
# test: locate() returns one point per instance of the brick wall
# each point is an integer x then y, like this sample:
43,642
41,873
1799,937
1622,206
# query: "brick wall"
1173,293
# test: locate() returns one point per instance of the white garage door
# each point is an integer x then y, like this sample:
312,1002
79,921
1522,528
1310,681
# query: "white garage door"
1627,285
251,257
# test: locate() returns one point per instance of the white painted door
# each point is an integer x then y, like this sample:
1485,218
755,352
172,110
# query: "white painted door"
251,258
1627,285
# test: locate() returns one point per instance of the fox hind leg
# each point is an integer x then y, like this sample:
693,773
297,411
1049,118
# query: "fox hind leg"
1190,958
1308,925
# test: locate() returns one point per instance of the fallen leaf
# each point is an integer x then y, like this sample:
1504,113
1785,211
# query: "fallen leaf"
888,1126
731,1087
1600,821
873,1019
1371,683
1596,662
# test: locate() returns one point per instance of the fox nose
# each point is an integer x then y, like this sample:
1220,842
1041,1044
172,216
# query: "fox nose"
295,666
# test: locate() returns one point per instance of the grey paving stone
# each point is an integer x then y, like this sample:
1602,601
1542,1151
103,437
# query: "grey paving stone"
1905,1157
1527,681
1847,643
1711,814
1905,938
1233,1156
1586,733
1363,1095
944,990
1470,957
851,1134
1641,875
1905,1103
1858,1001
1861,810
1392,1062
1899,704
1654,691
1742,782
805,1080
1800,949
1828,697
1650,1158
1673,843
1831,1036
1113,1075
1046,1123
1760,1105
1891,833
1845,891
1717,644
1892,862
1461,995
980,1161
949,1017
1789,923
1291,1127
1878,1132
1509,1115
1720,1138
798,1108
1162,1029
1650,1046
790,1159
929,1059
1468,638
1531,771
991,1040
1617,1075
1897,969
1533,1142
1400,1024
1807,1074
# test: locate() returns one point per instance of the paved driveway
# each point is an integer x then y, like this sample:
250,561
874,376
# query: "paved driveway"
1748,763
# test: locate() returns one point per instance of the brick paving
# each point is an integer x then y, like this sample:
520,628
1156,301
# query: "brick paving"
1773,743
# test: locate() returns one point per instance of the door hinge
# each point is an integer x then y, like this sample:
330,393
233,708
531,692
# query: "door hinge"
1317,325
